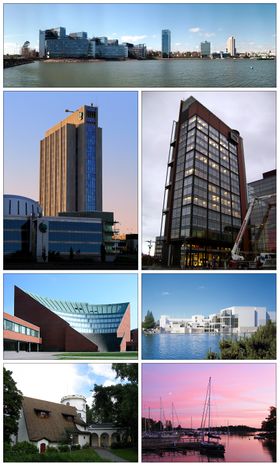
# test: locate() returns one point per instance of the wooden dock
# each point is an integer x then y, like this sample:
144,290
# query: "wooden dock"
170,444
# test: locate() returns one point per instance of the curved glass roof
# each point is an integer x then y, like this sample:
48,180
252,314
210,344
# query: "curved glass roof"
85,317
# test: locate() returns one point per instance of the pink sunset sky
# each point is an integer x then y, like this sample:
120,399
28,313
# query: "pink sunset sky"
241,393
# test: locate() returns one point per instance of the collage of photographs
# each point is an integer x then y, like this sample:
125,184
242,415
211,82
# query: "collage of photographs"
139,268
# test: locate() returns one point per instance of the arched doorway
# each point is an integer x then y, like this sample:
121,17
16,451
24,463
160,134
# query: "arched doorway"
42,447
94,440
115,437
104,440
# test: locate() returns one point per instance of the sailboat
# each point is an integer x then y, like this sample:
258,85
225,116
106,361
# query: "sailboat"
209,445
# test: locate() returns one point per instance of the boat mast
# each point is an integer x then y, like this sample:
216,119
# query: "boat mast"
209,398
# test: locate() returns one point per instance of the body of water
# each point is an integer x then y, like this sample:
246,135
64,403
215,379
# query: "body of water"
237,449
150,73
180,346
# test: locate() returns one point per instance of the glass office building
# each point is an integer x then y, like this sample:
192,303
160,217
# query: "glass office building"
74,234
263,217
205,197
165,43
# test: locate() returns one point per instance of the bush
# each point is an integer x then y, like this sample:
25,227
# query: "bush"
75,447
63,448
85,446
52,450
7,447
24,447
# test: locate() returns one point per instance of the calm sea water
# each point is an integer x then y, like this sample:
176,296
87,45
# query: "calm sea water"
176,346
237,449
154,73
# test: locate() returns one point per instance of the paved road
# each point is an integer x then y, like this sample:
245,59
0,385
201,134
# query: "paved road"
44,355
108,455
32,355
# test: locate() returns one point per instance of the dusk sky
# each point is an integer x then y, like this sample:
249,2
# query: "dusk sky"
253,25
241,393
69,379
28,115
184,295
91,288
253,114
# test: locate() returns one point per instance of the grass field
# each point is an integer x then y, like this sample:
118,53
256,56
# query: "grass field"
113,355
88,456
126,453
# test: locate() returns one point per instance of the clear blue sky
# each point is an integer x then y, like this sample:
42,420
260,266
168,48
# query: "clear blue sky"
183,295
28,115
90,288
253,25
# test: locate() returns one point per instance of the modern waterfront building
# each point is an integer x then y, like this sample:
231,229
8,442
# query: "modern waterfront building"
54,43
205,196
231,49
205,49
236,319
20,335
48,424
75,326
165,43
138,51
263,218
71,164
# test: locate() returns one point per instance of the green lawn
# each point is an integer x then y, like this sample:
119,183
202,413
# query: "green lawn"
128,454
112,355
87,455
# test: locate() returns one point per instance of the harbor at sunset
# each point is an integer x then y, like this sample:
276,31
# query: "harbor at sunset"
193,412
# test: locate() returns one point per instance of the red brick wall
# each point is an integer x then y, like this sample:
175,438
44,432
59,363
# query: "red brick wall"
124,329
56,334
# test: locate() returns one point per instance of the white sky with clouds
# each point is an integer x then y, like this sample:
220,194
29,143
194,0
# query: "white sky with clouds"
53,381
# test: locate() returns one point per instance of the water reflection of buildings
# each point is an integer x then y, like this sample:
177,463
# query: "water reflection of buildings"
235,319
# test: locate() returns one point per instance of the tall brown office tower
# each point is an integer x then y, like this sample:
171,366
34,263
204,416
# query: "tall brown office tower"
71,164
205,197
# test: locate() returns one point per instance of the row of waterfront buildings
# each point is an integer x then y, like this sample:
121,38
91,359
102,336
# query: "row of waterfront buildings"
206,194
205,47
236,319
55,43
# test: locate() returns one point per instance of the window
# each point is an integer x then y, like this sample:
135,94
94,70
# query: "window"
202,125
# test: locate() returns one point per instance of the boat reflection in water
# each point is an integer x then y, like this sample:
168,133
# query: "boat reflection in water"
238,448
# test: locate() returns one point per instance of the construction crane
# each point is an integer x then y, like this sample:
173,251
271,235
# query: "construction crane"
235,252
